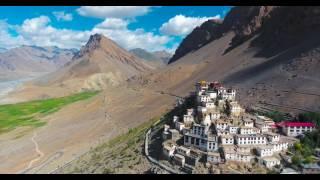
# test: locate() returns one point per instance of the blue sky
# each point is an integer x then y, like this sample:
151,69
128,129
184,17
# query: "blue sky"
151,28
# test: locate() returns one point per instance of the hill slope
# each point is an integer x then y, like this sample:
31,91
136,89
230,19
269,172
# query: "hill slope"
267,53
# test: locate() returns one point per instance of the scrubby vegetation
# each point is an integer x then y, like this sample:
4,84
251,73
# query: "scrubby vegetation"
310,117
122,154
275,115
304,150
29,113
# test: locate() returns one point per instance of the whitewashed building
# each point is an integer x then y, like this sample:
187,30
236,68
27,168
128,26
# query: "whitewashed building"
168,149
264,151
179,159
263,126
297,128
221,125
227,139
233,155
248,123
280,146
179,126
235,109
249,130
213,157
233,129
270,162
199,137
273,137
183,150
254,139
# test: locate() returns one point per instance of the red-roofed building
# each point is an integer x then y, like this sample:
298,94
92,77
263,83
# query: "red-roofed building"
296,128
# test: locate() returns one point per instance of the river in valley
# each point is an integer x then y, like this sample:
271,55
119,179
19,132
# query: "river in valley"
8,86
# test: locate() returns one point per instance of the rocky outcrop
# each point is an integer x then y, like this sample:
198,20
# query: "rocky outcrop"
244,21
200,36
92,44
288,27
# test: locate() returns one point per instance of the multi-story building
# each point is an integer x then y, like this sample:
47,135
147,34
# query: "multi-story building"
248,123
297,128
235,109
273,137
231,154
279,146
253,139
183,150
270,162
227,139
168,149
270,123
200,137
219,121
249,130
264,151
263,126
221,125
233,129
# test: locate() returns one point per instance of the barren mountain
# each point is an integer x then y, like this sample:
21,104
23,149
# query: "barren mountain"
98,64
243,21
28,60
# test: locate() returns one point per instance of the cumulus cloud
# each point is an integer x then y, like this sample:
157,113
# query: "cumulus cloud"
116,29
181,25
113,23
7,40
38,31
62,16
113,11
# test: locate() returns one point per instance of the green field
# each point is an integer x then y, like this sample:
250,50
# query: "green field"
29,113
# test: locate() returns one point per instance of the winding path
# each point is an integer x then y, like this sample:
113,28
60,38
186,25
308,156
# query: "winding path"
40,154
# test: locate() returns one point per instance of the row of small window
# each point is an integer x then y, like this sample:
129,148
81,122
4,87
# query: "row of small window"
252,142
300,130
252,138
300,127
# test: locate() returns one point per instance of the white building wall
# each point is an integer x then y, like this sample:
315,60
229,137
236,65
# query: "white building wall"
227,140
253,140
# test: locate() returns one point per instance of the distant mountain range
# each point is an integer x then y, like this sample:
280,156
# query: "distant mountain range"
2,50
159,56
28,60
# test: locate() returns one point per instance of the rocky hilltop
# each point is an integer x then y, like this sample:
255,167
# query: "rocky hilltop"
99,64
243,21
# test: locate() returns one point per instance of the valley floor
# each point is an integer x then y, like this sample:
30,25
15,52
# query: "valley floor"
73,130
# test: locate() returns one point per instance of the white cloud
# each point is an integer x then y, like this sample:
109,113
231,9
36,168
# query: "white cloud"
181,25
38,31
7,40
130,39
62,16
113,11
113,23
